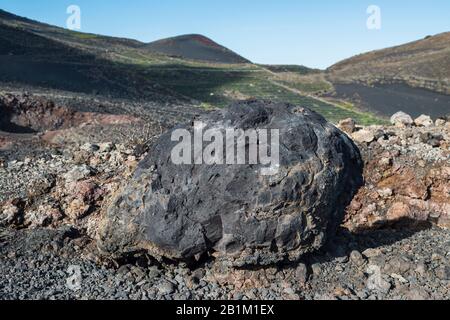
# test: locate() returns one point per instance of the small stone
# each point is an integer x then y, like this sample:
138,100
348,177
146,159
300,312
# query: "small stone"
376,282
106,147
301,273
422,163
440,123
435,143
8,213
89,147
343,259
199,274
357,258
401,119
385,161
399,265
166,287
423,121
154,272
43,216
399,278
371,253
290,294
385,193
347,125
316,269
421,269
363,136
78,173
430,139
443,273
123,270
339,268
417,294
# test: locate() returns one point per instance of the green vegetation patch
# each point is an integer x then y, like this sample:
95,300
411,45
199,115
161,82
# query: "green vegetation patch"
218,87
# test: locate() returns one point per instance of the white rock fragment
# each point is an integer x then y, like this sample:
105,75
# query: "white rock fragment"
376,282
423,121
401,119
78,173
363,136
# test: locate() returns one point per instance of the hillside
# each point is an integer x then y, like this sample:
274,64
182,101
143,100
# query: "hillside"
300,70
195,47
424,63
56,62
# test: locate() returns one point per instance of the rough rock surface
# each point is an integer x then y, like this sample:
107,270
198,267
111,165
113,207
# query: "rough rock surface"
407,174
182,211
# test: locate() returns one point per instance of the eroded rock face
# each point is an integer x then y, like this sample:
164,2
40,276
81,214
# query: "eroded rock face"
32,114
407,174
182,211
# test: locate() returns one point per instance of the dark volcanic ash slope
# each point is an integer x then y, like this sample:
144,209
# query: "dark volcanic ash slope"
27,58
39,56
387,99
195,47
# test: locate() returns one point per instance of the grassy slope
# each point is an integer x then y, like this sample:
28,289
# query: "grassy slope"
209,84
217,86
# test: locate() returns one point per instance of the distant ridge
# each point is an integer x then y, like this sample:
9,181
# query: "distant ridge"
195,47
424,63
9,16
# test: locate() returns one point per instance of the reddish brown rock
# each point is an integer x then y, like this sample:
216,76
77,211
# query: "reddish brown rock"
347,125
5,142
82,195
9,212
398,211
405,182
40,115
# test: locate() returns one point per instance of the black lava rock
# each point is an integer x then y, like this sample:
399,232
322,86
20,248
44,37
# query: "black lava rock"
234,211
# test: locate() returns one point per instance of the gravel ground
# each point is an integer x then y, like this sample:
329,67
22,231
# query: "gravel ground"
49,264
69,184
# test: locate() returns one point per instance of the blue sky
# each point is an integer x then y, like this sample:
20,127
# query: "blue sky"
313,33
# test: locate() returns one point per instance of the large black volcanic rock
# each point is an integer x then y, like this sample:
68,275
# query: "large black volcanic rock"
234,211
